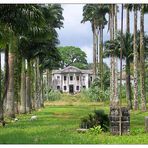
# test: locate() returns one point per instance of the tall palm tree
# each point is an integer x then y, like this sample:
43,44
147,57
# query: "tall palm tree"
113,47
116,59
10,93
135,60
128,84
3,48
89,15
96,15
111,55
23,87
113,79
144,9
19,18
1,102
28,87
103,9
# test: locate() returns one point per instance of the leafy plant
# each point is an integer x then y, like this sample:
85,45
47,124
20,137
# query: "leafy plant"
95,130
98,118
54,95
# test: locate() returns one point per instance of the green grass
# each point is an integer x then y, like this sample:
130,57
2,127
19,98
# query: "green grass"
57,124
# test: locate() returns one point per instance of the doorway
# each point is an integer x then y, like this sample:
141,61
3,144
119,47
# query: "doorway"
71,89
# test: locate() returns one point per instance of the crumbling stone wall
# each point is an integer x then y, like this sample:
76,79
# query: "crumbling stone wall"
114,118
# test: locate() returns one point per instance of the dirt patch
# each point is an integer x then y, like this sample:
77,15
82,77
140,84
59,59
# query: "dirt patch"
61,115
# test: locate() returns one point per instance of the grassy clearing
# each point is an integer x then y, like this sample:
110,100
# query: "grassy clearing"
57,124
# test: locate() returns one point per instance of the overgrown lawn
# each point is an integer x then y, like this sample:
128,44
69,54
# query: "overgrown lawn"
57,124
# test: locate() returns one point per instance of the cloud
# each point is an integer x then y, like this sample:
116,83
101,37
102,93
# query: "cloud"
74,32
80,35
89,52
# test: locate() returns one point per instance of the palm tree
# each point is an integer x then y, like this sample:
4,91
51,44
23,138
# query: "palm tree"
1,102
3,42
28,87
19,18
10,93
128,84
101,21
39,46
96,15
142,62
113,80
113,47
135,60
111,55
89,15
116,60
23,88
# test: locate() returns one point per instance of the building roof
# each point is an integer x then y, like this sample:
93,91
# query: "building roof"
72,69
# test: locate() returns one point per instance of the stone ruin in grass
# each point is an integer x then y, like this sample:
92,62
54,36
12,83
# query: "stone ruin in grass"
108,122
116,118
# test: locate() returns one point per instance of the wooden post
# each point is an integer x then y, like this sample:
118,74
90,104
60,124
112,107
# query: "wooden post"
146,123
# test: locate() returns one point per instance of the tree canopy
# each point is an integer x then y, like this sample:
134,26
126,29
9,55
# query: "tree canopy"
72,56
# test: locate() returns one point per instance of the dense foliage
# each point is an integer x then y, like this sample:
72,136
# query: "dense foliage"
72,56
97,118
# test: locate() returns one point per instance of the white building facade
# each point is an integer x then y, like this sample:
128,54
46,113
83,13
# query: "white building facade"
71,79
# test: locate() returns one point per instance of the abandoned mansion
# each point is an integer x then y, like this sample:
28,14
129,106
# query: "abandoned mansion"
71,79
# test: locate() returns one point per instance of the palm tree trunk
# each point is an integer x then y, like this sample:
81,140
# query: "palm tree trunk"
127,21
111,60
142,64
1,101
10,93
28,87
42,89
128,84
97,56
37,99
135,63
47,83
23,88
6,81
33,83
17,80
101,57
116,60
36,83
102,69
10,112
94,49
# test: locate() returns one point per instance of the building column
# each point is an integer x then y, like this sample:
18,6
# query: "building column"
74,84
61,82
68,82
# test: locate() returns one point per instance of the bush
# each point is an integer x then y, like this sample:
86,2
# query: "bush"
98,118
94,94
54,95
95,130
85,95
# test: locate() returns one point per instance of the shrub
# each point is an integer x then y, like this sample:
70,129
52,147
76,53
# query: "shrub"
54,95
95,130
85,95
94,94
98,118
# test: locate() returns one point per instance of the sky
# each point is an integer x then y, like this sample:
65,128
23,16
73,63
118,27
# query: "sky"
74,32
77,34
